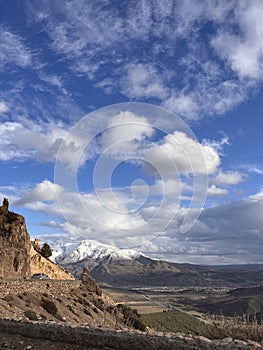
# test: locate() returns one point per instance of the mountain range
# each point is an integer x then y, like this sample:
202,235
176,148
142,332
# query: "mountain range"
112,266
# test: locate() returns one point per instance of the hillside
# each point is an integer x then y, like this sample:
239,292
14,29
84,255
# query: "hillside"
120,267
75,301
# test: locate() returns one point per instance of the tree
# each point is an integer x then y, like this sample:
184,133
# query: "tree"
46,251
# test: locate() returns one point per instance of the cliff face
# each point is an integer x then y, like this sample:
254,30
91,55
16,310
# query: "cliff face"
39,264
14,245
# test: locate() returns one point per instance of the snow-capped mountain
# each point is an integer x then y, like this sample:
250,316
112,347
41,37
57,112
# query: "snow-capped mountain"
94,250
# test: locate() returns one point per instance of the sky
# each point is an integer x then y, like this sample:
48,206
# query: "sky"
136,123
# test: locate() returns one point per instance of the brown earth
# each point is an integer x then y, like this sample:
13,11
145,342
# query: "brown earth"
39,264
74,302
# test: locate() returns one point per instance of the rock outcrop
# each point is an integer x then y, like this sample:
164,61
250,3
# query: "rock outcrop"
39,264
14,244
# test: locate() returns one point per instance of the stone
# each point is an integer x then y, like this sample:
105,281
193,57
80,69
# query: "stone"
254,344
203,339
39,264
89,282
14,244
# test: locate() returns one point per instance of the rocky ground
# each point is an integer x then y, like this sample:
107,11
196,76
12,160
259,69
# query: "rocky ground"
63,315
107,340
75,302
19,342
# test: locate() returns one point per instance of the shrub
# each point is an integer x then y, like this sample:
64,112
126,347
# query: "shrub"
46,251
31,315
132,317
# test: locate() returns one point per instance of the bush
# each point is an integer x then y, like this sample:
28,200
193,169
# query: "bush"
132,317
31,315
46,251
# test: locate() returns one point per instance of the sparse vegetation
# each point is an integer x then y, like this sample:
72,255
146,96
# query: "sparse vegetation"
172,321
231,328
132,317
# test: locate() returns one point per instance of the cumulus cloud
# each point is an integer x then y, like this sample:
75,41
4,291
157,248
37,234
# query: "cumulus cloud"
178,153
230,233
216,191
227,233
227,178
25,139
125,133
244,49
87,215
42,192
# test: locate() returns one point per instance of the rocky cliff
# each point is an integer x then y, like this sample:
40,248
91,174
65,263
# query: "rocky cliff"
39,264
14,244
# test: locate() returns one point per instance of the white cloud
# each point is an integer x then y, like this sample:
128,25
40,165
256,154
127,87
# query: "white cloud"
252,168
125,133
143,81
228,233
26,139
216,191
168,187
86,215
42,192
3,107
13,50
244,51
227,178
179,154
176,64
183,105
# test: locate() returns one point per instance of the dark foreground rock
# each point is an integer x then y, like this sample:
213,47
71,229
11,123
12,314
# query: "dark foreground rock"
98,339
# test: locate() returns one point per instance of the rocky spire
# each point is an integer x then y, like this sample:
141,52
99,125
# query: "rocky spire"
5,205
14,244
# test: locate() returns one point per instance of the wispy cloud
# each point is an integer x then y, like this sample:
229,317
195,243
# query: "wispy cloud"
13,50
162,51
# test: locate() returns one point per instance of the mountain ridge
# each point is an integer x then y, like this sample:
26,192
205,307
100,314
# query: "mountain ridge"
118,267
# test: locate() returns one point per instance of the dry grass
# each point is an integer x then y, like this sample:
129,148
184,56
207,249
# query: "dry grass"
231,328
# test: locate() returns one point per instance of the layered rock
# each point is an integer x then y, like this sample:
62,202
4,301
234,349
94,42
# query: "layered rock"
39,264
14,244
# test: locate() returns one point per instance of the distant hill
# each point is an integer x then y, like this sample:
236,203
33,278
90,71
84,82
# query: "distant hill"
127,267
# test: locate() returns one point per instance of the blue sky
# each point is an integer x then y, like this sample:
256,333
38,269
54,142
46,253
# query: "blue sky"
136,123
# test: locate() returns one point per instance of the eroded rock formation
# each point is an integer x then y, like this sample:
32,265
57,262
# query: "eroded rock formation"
39,264
14,244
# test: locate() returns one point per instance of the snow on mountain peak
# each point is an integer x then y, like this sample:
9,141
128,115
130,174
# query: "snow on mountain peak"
90,249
